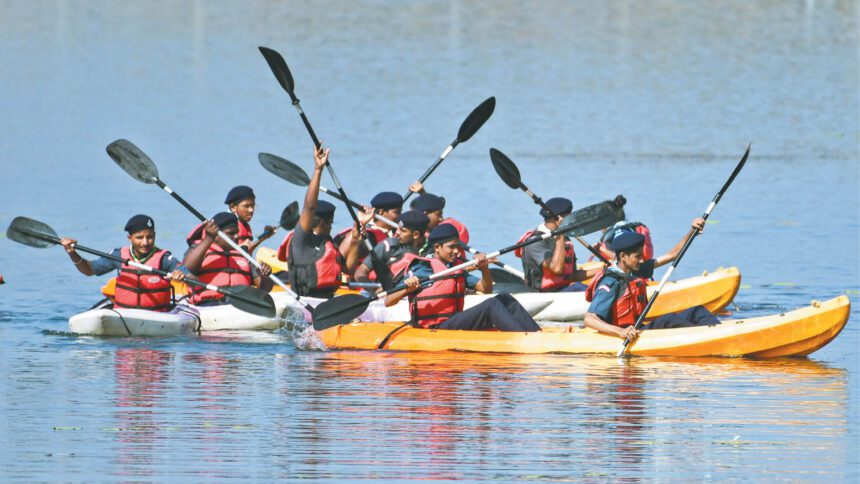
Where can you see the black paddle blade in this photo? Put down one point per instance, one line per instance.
(476, 119)
(251, 300)
(31, 232)
(134, 161)
(506, 169)
(734, 173)
(279, 68)
(290, 216)
(592, 218)
(285, 169)
(339, 310)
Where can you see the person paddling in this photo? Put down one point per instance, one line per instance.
(241, 201)
(550, 265)
(409, 240)
(384, 204)
(135, 288)
(433, 206)
(440, 305)
(214, 262)
(316, 265)
(619, 295)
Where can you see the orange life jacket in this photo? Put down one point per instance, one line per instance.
(432, 305)
(220, 268)
(632, 297)
(542, 278)
(323, 272)
(139, 289)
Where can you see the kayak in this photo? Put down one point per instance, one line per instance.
(135, 322)
(795, 333)
(270, 256)
(183, 319)
(714, 290)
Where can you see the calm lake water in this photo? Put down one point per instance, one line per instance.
(654, 100)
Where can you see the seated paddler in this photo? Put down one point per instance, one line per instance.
(214, 261)
(409, 239)
(440, 305)
(135, 288)
(619, 294)
(550, 265)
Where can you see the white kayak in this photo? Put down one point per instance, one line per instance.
(714, 290)
(135, 322)
(183, 319)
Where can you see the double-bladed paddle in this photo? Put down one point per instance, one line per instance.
(470, 126)
(510, 174)
(40, 235)
(292, 173)
(288, 221)
(285, 79)
(693, 234)
(343, 309)
(140, 167)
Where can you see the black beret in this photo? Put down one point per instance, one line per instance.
(428, 203)
(139, 222)
(558, 205)
(415, 220)
(387, 200)
(237, 194)
(225, 219)
(443, 233)
(324, 209)
(627, 241)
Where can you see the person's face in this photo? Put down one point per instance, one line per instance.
(632, 260)
(407, 236)
(232, 232)
(142, 242)
(244, 209)
(392, 214)
(447, 252)
(435, 217)
(324, 227)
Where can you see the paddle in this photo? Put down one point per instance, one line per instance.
(470, 126)
(285, 79)
(294, 174)
(40, 235)
(510, 174)
(140, 167)
(346, 308)
(694, 234)
(288, 221)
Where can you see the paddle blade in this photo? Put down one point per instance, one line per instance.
(31, 232)
(251, 300)
(501, 276)
(134, 161)
(476, 119)
(339, 310)
(285, 169)
(279, 68)
(592, 218)
(290, 216)
(507, 170)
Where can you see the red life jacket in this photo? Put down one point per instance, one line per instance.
(432, 305)
(245, 234)
(632, 297)
(139, 289)
(220, 268)
(461, 229)
(324, 272)
(374, 235)
(542, 278)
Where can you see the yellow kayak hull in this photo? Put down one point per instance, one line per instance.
(794, 333)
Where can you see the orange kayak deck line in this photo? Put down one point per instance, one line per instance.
(794, 333)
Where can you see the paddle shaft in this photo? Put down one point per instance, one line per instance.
(133, 263)
(433, 167)
(232, 244)
(694, 233)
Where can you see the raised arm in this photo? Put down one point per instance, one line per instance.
(309, 206)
